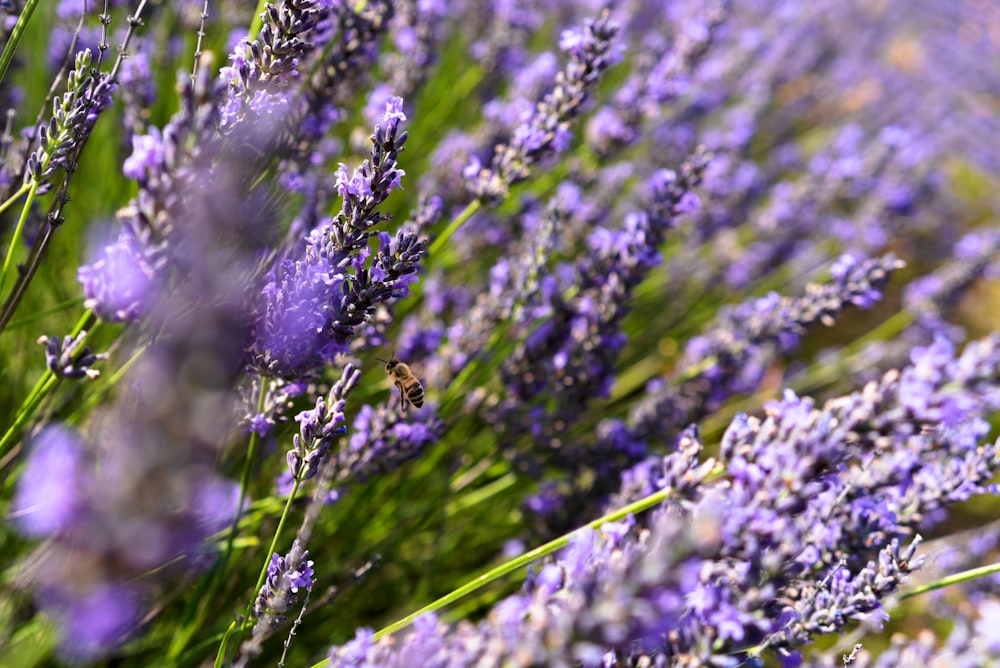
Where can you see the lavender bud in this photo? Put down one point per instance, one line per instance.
(285, 577)
(66, 359)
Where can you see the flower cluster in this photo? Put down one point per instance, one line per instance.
(285, 577)
(120, 283)
(318, 426)
(73, 119)
(312, 306)
(730, 567)
(68, 357)
(264, 69)
(545, 131)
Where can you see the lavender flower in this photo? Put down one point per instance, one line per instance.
(381, 441)
(732, 358)
(974, 257)
(546, 131)
(598, 266)
(572, 351)
(417, 28)
(120, 282)
(312, 306)
(66, 359)
(661, 76)
(285, 577)
(51, 491)
(348, 38)
(318, 427)
(278, 399)
(149, 491)
(764, 559)
(264, 69)
(92, 620)
(969, 643)
(73, 119)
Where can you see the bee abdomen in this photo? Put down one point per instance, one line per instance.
(415, 393)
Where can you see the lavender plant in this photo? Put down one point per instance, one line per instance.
(700, 295)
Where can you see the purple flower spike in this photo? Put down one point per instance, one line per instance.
(264, 69)
(312, 306)
(319, 426)
(546, 130)
(286, 575)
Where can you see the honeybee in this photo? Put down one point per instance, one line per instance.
(410, 389)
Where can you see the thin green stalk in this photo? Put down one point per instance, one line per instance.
(24, 278)
(43, 387)
(270, 550)
(481, 495)
(209, 586)
(95, 397)
(13, 198)
(518, 563)
(15, 36)
(220, 657)
(38, 394)
(235, 631)
(18, 231)
(453, 226)
(953, 579)
(258, 21)
(42, 315)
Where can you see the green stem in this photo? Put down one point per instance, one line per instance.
(17, 234)
(258, 21)
(15, 36)
(453, 227)
(238, 630)
(94, 398)
(44, 314)
(13, 198)
(517, 563)
(220, 657)
(270, 550)
(953, 579)
(43, 387)
(209, 587)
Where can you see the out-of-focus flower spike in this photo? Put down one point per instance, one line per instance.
(546, 131)
(121, 279)
(748, 336)
(658, 78)
(51, 490)
(381, 440)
